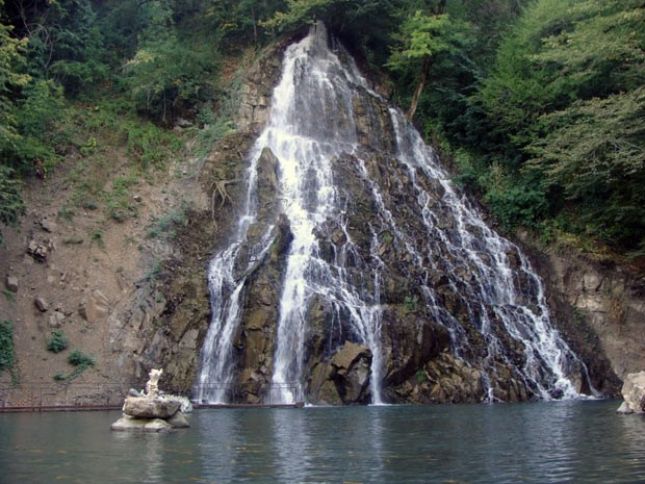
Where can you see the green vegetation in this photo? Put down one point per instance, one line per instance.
(7, 356)
(411, 303)
(565, 106)
(166, 225)
(421, 377)
(96, 237)
(80, 361)
(57, 342)
(538, 102)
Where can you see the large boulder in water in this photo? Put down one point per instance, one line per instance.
(352, 364)
(144, 407)
(345, 379)
(127, 423)
(633, 393)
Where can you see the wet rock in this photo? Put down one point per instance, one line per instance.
(633, 393)
(338, 237)
(320, 376)
(410, 340)
(144, 407)
(178, 421)
(41, 304)
(11, 283)
(352, 372)
(128, 423)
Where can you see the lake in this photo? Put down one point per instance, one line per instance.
(531, 442)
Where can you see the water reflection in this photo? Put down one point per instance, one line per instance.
(568, 441)
(294, 452)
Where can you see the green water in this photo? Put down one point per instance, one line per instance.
(538, 442)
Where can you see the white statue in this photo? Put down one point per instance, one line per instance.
(152, 387)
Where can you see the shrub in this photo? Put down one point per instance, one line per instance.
(150, 145)
(6, 345)
(11, 204)
(80, 359)
(58, 342)
(165, 226)
(168, 74)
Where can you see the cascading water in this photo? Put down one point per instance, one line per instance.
(470, 281)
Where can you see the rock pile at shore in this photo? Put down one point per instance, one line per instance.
(159, 414)
(152, 410)
(633, 393)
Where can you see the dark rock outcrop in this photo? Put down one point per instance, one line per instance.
(344, 378)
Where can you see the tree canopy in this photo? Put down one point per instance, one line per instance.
(539, 102)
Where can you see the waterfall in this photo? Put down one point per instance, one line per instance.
(419, 227)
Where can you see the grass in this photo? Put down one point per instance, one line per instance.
(165, 226)
(96, 237)
(118, 200)
(109, 135)
(214, 129)
(154, 272)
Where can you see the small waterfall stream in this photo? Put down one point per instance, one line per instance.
(447, 249)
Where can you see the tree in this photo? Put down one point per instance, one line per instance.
(421, 39)
(565, 98)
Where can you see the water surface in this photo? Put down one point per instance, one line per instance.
(536, 442)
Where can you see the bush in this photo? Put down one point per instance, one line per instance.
(80, 359)
(118, 199)
(166, 75)
(6, 345)
(11, 204)
(58, 342)
(166, 225)
(150, 145)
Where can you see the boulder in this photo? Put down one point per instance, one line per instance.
(39, 250)
(11, 283)
(127, 423)
(56, 320)
(41, 304)
(48, 225)
(184, 403)
(633, 393)
(178, 421)
(144, 407)
(352, 365)
(95, 308)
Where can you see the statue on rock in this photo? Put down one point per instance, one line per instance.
(152, 386)
(152, 411)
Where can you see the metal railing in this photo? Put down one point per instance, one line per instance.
(104, 395)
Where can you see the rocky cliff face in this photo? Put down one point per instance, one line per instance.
(177, 334)
(390, 252)
(365, 276)
(601, 310)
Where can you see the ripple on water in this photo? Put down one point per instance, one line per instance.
(537, 442)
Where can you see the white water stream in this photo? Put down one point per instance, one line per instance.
(312, 123)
